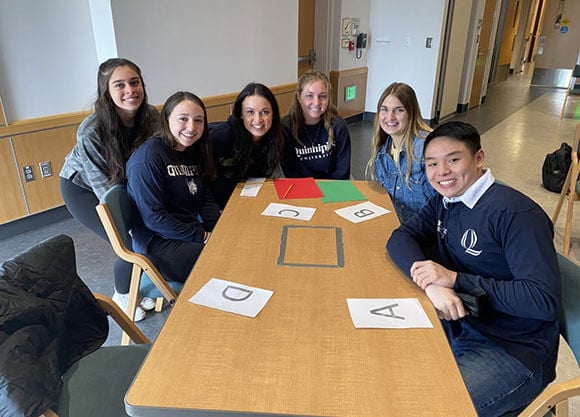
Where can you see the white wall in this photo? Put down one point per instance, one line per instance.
(457, 52)
(352, 9)
(323, 34)
(103, 29)
(50, 50)
(396, 48)
(48, 61)
(471, 51)
(208, 46)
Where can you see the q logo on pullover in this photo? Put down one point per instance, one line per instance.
(469, 241)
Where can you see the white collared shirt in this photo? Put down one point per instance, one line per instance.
(473, 193)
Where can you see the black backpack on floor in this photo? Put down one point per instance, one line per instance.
(555, 168)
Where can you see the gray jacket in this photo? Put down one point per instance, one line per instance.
(85, 165)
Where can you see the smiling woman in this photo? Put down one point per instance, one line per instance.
(397, 150)
(249, 143)
(317, 140)
(122, 120)
(168, 181)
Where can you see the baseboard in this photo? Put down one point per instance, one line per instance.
(354, 118)
(33, 222)
(369, 116)
(462, 107)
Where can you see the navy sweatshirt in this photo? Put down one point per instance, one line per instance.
(504, 246)
(167, 189)
(224, 137)
(312, 158)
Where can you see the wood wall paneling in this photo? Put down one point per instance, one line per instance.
(51, 138)
(218, 113)
(284, 101)
(12, 204)
(342, 79)
(36, 147)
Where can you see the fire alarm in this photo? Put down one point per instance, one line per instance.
(350, 45)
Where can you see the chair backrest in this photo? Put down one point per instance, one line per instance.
(117, 201)
(570, 317)
(576, 144)
(115, 212)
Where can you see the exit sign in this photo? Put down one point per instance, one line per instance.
(349, 92)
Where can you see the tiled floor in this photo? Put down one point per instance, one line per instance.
(519, 126)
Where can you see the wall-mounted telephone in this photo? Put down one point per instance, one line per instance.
(361, 43)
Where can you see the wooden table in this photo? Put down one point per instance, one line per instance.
(301, 355)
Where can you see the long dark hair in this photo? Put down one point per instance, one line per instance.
(201, 150)
(115, 140)
(270, 145)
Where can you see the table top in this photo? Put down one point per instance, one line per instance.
(301, 355)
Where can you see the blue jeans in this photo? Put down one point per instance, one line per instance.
(497, 382)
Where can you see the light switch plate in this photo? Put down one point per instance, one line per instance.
(28, 173)
(346, 26)
(45, 169)
(344, 43)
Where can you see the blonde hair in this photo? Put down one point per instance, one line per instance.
(295, 114)
(416, 126)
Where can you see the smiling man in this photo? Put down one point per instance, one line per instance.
(491, 239)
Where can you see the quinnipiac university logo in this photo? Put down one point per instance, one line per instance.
(469, 241)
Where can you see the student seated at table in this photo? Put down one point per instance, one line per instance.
(317, 140)
(397, 150)
(492, 238)
(167, 181)
(249, 143)
(123, 119)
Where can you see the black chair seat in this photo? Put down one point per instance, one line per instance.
(104, 374)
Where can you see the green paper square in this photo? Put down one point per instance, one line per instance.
(336, 191)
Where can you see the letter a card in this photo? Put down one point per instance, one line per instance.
(232, 297)
(361, 212)
(387, 313)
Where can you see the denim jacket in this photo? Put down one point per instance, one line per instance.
(407, 199)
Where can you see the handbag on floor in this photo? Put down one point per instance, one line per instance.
(555, 168)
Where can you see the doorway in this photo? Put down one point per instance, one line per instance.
(306, 27)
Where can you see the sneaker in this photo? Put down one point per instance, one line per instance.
(147, 303)
(122, 300)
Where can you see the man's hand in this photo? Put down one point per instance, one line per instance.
(448, 305)
(425, 273)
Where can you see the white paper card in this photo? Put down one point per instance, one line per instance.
(232, 297)
(252, 187)
(361, 212)
(387, 313)
(289, 212)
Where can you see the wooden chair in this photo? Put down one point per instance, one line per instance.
(571, 188)
(554, 399)
(97, 383)
(115, 214)
(573, 89)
